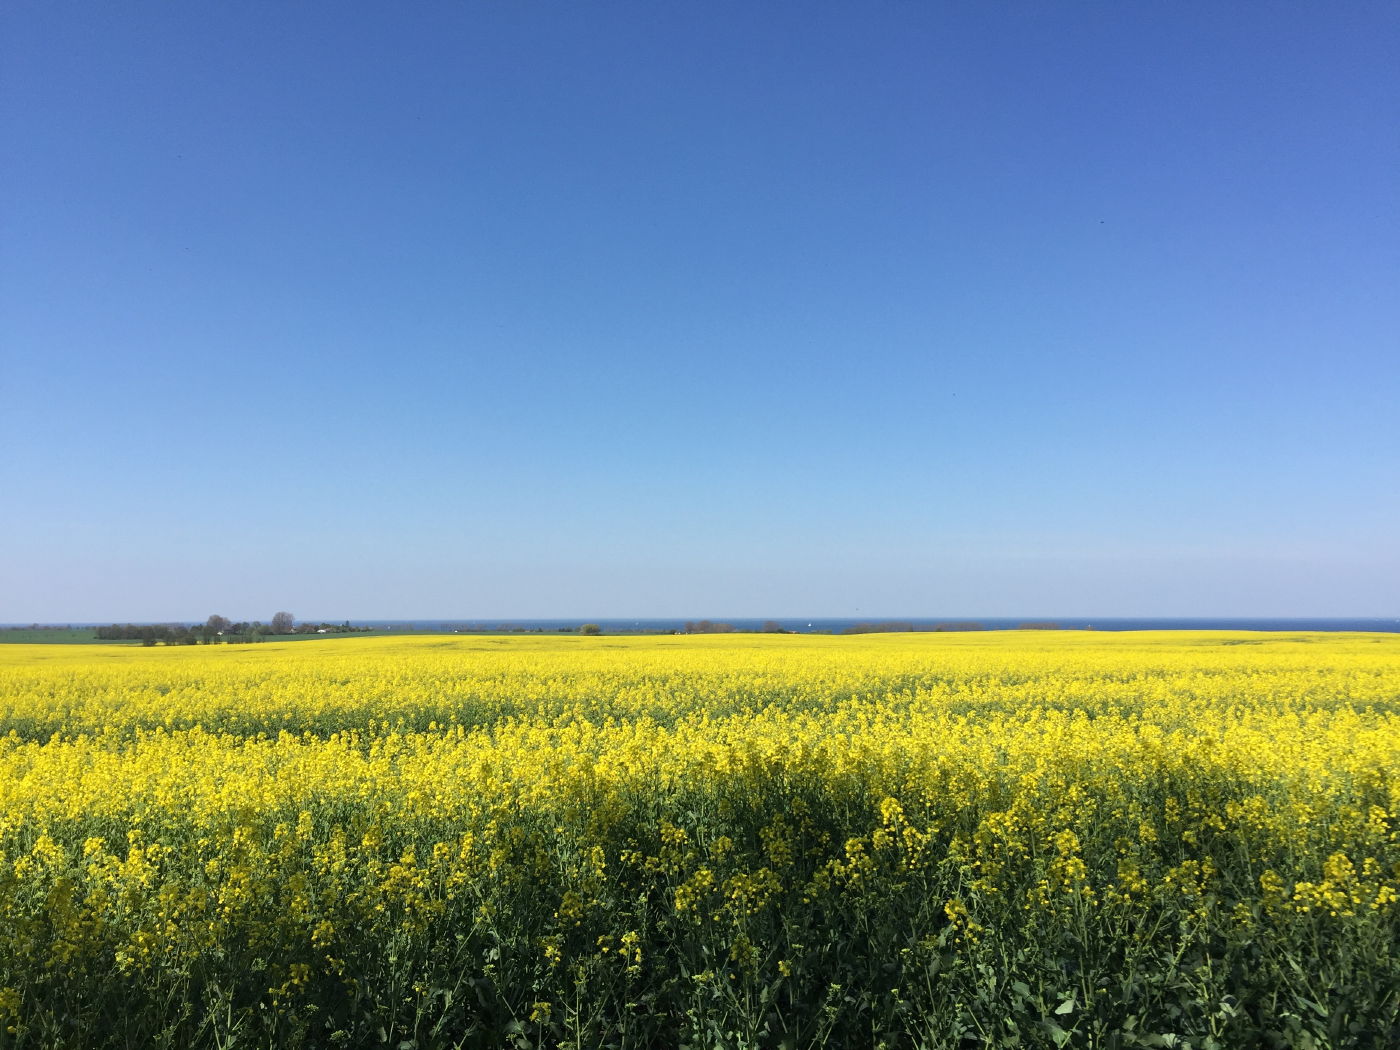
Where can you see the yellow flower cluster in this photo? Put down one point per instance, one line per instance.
(288, 809)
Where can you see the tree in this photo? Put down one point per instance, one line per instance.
(590, 628)
(283, 622)
(218, 624)
(708, 627)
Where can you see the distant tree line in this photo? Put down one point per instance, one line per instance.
(218, 629)
(326, 628)
(151, 633)
(720, 627)
(708, 627)
(895, 626)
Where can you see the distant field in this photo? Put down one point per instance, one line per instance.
(924, 841)
(48, 635)
(88, 636)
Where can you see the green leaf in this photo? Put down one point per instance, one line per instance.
(1066, 1007)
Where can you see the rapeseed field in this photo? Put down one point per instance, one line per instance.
(1021, 839)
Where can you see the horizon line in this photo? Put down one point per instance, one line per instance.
(920, 617)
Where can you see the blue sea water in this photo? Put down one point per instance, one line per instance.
(804, 625)
(839, 625)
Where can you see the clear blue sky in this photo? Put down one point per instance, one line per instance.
(699, 309)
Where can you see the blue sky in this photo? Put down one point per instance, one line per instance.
(637, 309)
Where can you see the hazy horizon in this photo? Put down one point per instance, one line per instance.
(786, 620)
(617, 307)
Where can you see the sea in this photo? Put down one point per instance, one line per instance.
(843, 624)
(840, 625)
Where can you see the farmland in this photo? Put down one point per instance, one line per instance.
(1034, 839)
